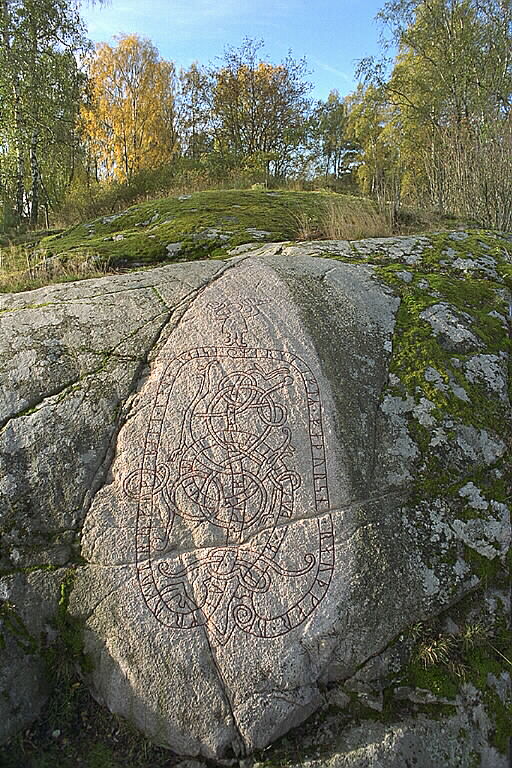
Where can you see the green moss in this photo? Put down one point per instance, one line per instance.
(441, 662)
(492, 573)
(69, 628)
(392, 709)
(145, 230)
(206, 224)
(416, 348)
(489, 660)
(101, 756)
(436, 679)
(69, 647)
(160, 298)
(28, 569)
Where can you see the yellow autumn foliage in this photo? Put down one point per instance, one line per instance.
(128, 121)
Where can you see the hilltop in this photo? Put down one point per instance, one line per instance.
(208, 224)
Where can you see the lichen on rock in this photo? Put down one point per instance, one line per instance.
(274, 476)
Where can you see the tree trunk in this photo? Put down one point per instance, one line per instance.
(36, 180)
(18, 121)
(20, 163)
(18, 151)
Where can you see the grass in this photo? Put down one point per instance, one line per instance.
(345, 219)
(442, 661)
(22, 268)
(201, 225)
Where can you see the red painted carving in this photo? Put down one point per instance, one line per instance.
(219, 540)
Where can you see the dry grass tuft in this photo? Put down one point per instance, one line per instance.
(436, 650)
(306, 228)
(342, 219)
(23, 270)
(355, 221)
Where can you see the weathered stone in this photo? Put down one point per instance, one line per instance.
(338, 698)
(27, 631)
(406, 249)
(490, 370)
(233, 453)
(421, 741)
(255, 568)
(452, 328)
(484, 264)
(173, 248)
(112, 218)
(259, 234)
(406, 276)
(70, 356)
(211, 234)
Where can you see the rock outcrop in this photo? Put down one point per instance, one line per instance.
(262, 487)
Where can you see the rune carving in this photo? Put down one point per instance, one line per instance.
(233, 527)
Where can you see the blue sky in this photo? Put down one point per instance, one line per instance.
(331, 34)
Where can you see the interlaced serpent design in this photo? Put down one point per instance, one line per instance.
(234, 475)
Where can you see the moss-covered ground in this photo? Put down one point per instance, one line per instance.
(201, 225)
(472, 273)
(206, 223)
(196, 226)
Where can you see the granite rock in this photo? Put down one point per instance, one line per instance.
(225, 465)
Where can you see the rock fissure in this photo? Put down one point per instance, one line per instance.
(75, 382)
(186, 302)
(104, 598)
(283, 525)
(106, 461)
(267, 467)
(35, 405)
(160, 297)
(242, 746)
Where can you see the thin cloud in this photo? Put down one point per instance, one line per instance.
(168, 20)
(184, 16)
(331, 70)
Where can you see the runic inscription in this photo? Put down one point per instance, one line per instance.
(233, 458)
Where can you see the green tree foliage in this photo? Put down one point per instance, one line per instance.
(194, 115)
(40, 82)
(431, 127)
(329, 123)
(372, 127)
(259, 111)
(449, 103)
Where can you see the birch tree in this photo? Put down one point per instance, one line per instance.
(129, 118)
